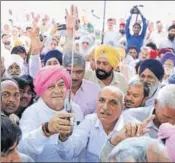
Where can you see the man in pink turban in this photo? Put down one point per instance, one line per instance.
(41, 123)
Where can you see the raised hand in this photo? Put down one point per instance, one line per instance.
(132, 130)
(36, 44)
(71, 19)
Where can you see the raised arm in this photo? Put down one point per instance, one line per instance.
(144, 26)
(127, 30)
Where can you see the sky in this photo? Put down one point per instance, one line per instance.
(153, 10)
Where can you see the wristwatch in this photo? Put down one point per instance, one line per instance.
(46, 124)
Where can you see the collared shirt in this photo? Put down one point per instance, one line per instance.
(34, 143)
(141, 114)
(86, 96)
(89, 135)
(118, 80)
(156, 36)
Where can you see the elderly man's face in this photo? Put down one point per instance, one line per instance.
(164, 114)
(55, 95)
(109, 106)
(77, 75)
(14, 70)
(149, 78)
(52, 62)
(10, 97)
(135, 96)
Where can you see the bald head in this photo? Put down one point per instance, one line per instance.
(114, 90)
(10, 96)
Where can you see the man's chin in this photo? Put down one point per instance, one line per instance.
(10, 111)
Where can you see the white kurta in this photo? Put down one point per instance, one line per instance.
(89, 135)
(33, 142)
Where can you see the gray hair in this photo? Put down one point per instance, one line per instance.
(78, 60)
(114, 89)
(135, 148)
(166, 96)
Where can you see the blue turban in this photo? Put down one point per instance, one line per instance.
(154, 66)
(171, 79)
(53, 54)
(167, 56)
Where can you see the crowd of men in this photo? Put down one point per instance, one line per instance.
(67, 98)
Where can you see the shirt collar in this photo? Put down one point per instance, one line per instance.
(114, 79)
(118, 126)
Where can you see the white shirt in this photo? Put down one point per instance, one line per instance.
(112, 37)
(33, 142)
(166, 43)
(89, 135)
(141, 114)
(156, 37)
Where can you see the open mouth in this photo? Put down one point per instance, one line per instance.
(128, 103)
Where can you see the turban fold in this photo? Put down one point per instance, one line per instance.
(167, 56)
(154, 66)
(111, 53)
(48, 75)
(53, 54)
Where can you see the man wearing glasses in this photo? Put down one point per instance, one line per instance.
(42, 122)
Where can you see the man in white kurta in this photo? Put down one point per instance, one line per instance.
(96, 129)
(40, 122)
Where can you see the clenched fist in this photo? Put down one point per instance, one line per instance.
(60, 124)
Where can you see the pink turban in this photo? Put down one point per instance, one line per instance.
(167, 131)
(48, 75)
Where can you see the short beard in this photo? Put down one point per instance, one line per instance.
(171, 37)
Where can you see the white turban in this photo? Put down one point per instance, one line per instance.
(14, 58)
